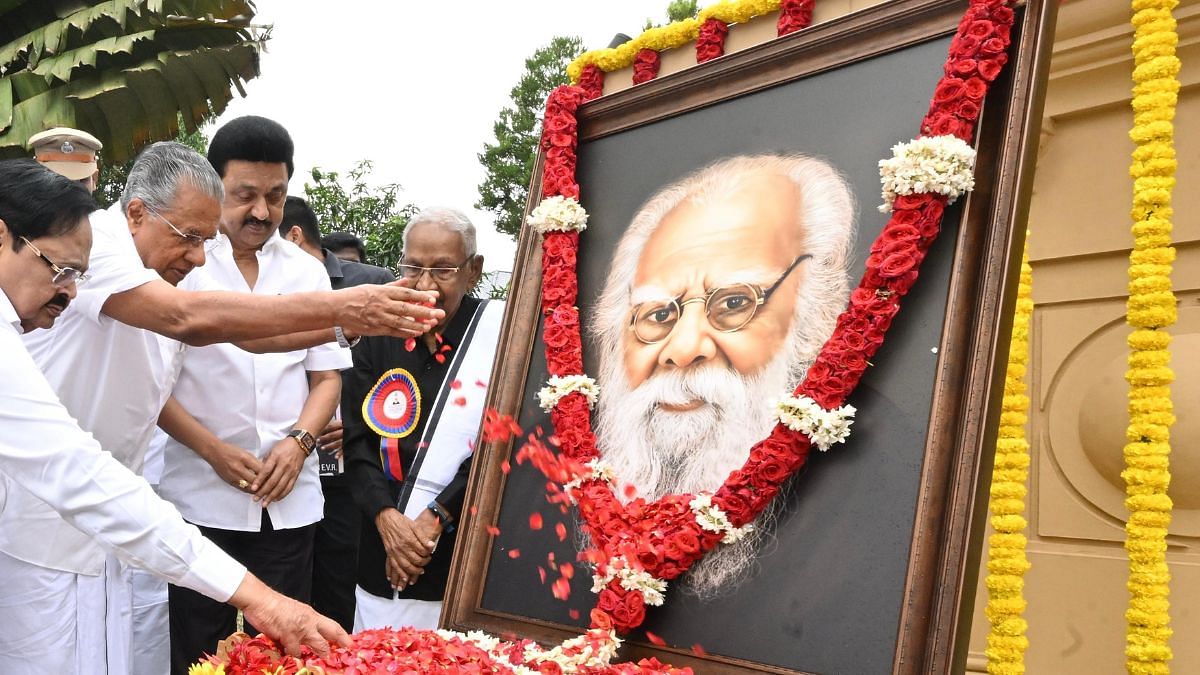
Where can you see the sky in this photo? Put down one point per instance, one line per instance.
(413, 86)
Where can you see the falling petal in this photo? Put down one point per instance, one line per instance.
(698, 650)
(561, 531)
(542, 573)
(410, 344)
(456, 384)
(535, 521)
(505, 467)
(515, 553)
(574, 614)
(481, 384)
(493, 530)
(460, 400)
(654, 639)
(561, 588)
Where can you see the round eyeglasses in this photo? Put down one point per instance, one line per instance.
(63, 276)
(728, 308)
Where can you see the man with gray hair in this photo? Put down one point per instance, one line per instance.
(113, 372)
(411, 414)
(721, 293)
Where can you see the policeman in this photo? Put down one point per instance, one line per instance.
(68, 152)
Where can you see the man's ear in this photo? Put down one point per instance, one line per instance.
(294, 235)
(5, 234)
(135, 214)
(476, 267)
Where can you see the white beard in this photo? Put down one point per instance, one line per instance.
(660, 452)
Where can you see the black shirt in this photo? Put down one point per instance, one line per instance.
(373, 489)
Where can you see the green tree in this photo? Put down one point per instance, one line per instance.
(123, 70)
(509, 160)
(114, 176)
(374, 213)
(677, 10)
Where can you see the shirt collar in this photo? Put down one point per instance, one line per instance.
(333, 265)
(8, 313)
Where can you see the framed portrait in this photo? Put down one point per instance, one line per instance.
(865, 561)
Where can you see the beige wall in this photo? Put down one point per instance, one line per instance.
(1079, 249)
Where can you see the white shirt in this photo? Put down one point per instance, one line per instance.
(248, 400)
(43, 450)
(110, 376)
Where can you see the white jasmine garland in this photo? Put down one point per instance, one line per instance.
(558, 214)
(652, 588)
(940, 164)
(823, 427)
(585, 651)
(710, 517)
(597, 470)
(558, 387)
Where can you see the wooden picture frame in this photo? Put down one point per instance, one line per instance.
(967, 298)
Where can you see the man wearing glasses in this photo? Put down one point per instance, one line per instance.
(720, 295)
(106, 360)
(411, 410)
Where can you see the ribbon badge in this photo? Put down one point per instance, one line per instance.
(392, 409)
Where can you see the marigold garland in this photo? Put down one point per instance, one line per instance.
(797, 15)
(1007, 563)
(1149, 311)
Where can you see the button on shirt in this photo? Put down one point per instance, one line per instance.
(112, 379)
(251, 401)
(44, 451)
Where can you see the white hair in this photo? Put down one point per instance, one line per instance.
(161, 168)
(660, 452)
(452, 219)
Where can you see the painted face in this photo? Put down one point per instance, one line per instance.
(748, 237)
(28, 279)
(434, 246)
(172, 242)
(254, 197)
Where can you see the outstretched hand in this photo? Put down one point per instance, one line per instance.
(291, 623)
(392, 309)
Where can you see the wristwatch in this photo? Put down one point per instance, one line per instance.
(443, 515)
(341, 338)
(307, 441)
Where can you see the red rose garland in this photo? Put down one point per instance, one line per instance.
(711, 42)
(645, 65)
(794, 15)
(641, 544)
(591, 81)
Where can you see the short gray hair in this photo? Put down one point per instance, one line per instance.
(161, 168)
(451, 218)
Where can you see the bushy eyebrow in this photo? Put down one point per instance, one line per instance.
(750, 275)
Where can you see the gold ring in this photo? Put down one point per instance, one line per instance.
(243, 483)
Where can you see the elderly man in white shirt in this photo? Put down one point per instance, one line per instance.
(44, 250)
(113, 377)
(264, 410)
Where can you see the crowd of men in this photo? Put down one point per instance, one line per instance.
(209, 407)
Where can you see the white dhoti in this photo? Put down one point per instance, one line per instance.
(372, 611)
(61, 622)
(151, 625)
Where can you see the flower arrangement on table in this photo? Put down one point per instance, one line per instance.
(424, 651)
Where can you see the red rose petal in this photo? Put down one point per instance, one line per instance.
(456, 384)
(441, 358)
(561, 588)
(460, 401)
(514, 553)
(535, 521)
(542, 573)
(493, 530)
(561, 531)
(505, 467)
(574, 614)
(698, 650)
(410, 344)
(654, 639)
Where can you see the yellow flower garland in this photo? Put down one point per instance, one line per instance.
(1150, 309)
(1007, 563)
(671, 36)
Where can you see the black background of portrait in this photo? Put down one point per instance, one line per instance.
(827, 591)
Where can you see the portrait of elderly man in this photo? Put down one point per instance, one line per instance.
(721, 293)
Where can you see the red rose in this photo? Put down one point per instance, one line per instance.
(962, 67)
(1004, 15)
(818, 371)
(776, 470)
(992, 47)
(853, 342)
(556, 336)
(645, 66)
(855, 361)
(571, 190)
(964, 46)
(944, 125)
(968, 110)
(902, 283)
(557, 155)
(905, 217)
(600, 619)
(914, 201)
(631, 612)
(894, 233)
(608, 601)
(591, 82)
(562, 140)
(975, 88)
(561, 124)
(950, 89)
(980, 29)
(897, 264)
(989, 69)
(566, 361)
